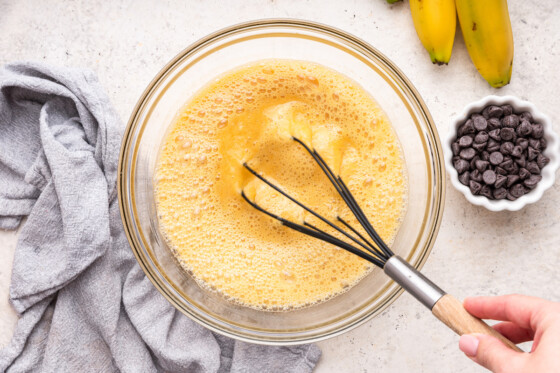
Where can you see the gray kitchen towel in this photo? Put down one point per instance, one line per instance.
(84, 302)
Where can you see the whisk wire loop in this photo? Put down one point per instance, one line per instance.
(317, 233)
(377, 253)
(323, 219)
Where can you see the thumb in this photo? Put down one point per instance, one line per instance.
(489, 352)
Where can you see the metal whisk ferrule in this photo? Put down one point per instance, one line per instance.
(414, 282)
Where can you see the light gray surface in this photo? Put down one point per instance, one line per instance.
(477, 252)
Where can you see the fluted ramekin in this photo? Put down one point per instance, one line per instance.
(548, 172)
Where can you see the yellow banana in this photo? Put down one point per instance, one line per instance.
(435, 23)
(487, 32)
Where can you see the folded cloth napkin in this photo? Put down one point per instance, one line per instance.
(84, 302)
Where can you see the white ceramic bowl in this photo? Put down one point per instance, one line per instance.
(551, 151)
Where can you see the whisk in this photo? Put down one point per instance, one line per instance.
(373, 249)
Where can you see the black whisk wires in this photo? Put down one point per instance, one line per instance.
(376, 252)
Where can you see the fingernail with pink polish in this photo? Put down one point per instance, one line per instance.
(468, 344)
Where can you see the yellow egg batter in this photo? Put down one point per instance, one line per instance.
(249, 115)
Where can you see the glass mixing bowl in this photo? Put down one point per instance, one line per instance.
(203, 61)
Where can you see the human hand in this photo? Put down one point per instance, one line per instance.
(524, 319)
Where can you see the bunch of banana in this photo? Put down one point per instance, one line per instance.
(486, 29)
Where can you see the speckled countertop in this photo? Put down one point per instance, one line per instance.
(477, 251)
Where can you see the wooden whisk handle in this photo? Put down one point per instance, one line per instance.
(451, 312)
(444, 306)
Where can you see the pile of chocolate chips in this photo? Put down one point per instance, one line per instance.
(498, 153)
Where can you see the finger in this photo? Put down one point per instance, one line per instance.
(490, 352)
(514, 332)
(520, 309)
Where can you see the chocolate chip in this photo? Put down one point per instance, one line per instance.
(521, 161)
(495, 134)
(510, 196)
(524, 129)
(496, 158)
(455, 148)
(489, 177)
(467, 153)
(517, 190)
(524, 174)
(500, 171)
(514, 169)
(508, 166)
(476, 176)
(507, 109)
(485, 112)
(472, 163)
(479, 122)
(479, 147)
(500, 181)
(475, 187)
(542, 142)
(484, 155)
(542, 160)
(461, 166)
(524, 143)
(495, 112)
(494, 123)
(486, 191)
(481, 165)
(537, 130)
(535, 144)
(500, 193)
(481, 137)
(533, 168)
(465, 141)
(465, 177)
(532, 181)
(492, 146)
(517, 151)
(526, 116)
(507, 133)
(506, 148)
(511, 179)
(532, 153)
(511, 121)
(466, 128)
